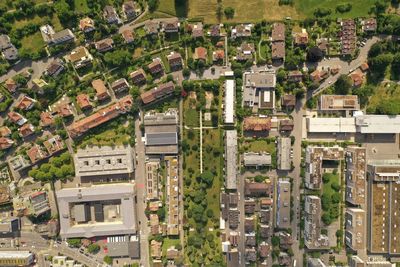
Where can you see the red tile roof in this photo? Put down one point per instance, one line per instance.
(46, 119)
(83, 101)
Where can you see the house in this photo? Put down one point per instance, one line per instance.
(54, 68)
(259, 90)
(80, 57)
(120, 85)
(83, 101)
(155, 248)
(63, 36)
(138, 77)
(357, 78)
(218, 55)
(16, 118)
(64, 110)
(156, 68)
(26, 130)
(5, 143)
(5, 41)
(214, 30)
(5, 131)
(286, 125)
(369, 25)
(104, 45)
(289, 101)
(47, 32)
(264, 249)
(278, 50)
(151, 27)
(10, 53)
(128, 36)
(278, 32)
(25, 103)
(319, 75)
(323, 45)
(245, 52)
(86, 25)
(241, 30)
(348, 37)
(36, 153)
(101, 89)
(54, 144)
(197, 30)
(301, 38)
(80, 127)
(175, 61)
(254, 189)
(257, 125)
(163, 90)
(250, 254)
(200, 53)
(364, 67)
(154, 224)
(11, 85)
(170, 26)
(259, 159)
(2, 97)
(46, 119)
(295, 76)
(130, 10)
(110, 15)
(38, 85)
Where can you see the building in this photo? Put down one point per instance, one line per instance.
(170, 25)
(331, 125)
(278, 41)
(200, 53)
(284, 161)
(18, 163)
(338, 103)
(104, 115)
(196, 29)
(53, 144)
(161, 132)
(241, 30)
(261, 159)
(10, 53)
(218, 55)
(26, 130)
(229, 102)
(245, 52)
(259, 89)
(80, 57)
(254, 189)
(348, 37)
(355, 175)
(104, 45)
(318, 75)
(10, 227)
(130, 10)
(151, 27)
(175, 61)
(153, 178)
(111, 15)
(383, 205)
(315, 157)
(120, 85)
(83, 101)
(36, 153)
(16, 118)
(86, 25)
(25, 103)
(156, 67)
(46, 119)
(16, 258)
(5, 41)
(105, 163)
(286, 125)
(98, 210)
(31, 203)
(231, 159)
(54, 68)
(355, 235)
(301, 38)
(256, 126)
(63, 261)
(313, 239)
(369, 25)
(63, 36)
(123, 246)
(157, 93)
(295, 76)
(172, 201)
(377, 124)
(138, 77)
(11, 85)
(283, 204)
(314, 262)
(128, 36)
(5, 143)
(5, 131)
(289, 101)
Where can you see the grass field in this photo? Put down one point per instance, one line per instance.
(384, 93)
(33, 43)
(81, 6)
(256, 10)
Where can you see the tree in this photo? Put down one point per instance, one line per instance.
(152, 4)
(107, 259)
(229, 12)
(326, 218)
(186, 72)
(275, 241)
(314, 54)
(93, 248)
(343, 85)
(118, 58)
(207, 178)
(74, 242)
(379, 64)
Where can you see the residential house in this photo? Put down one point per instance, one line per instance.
(289, 101)
(38, 85)
(357, 78)
(120, 85)
(54, 144)
(348, 37)
(104, 45)
(214, 30)
(264, 249)
(259, 90)
(54, 68)
(130, 10)
(36, 153)
(245, 52)
(155, 249)
(254, 189)
(10, 53)
(154, 224)
(286, 125)
(364, 67)
(2, 98)
(64, 110)
(26, 130)
(16, 118)
(170, 26)
(5, 41)
(256, 126)
(46, 119)
(128, 36)
(31, 203)
(259, 159)
(278, 50)
(63, 36)
(11, 85)
(163, 90)
(241, 30)
(218, 55)
(5, 131)
(250, 254)
(278, 41)
(110, 15)
(156, 68)
(151, 27)
(301, 38)
(86, 25)
(83, 101)
(175, 61)
(101, 89)
(196, 29)
(319, 75)
(25, 103)
(138, 77)
(323, 45)
(80, 57)
(369, 25)
(47, 32)
(295, 76)
(313, 238)
(200, 53)
(5, 143)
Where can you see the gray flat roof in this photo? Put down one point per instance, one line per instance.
(257, 159)
(231, 159)
(284, 161)
(70, 196)
(155, 139)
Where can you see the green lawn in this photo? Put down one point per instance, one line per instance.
(33, 43)
(191, 115)
(81, 6)
(260, 146)
(383, 93)
(169, 242)
(169, 7)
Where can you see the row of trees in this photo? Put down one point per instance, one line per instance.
(58, 168)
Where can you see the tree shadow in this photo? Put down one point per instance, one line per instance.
(181, 8)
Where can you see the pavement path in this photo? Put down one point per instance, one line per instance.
(201, 141)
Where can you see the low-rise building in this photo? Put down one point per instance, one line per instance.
(289, 101)
(101, 89)
(46, 119)
(130, 10)
(283, 204)
(10, 227)
(26, 130)
(16, 118)
(231, 159)
(355, 224)
(83, 101)
(172, 189)
(123, 246)
(104, 45)
(256, 126)
(16, 258)
(54, 144)
(25, 103)
(259, 89)
(196, 29)
(260, 159)
(153, 178)
(54, 68)
(284, 161)
(111, 15)
(338, 103)
(369, 25)
(157, 93)
(254, 189)
(355, 175)
(5, 143)
(36, 153)
(229, 102)
(241, 30)
(301, 38)
(200, 53)
(245, 52)
(128, 36)
(31, 203)
(156, 67)
(80, 57)
(86, 25)
(138, 77)
(170, 25)
(175, 61)
(313, 239)
(120, 85)
(286, 125)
